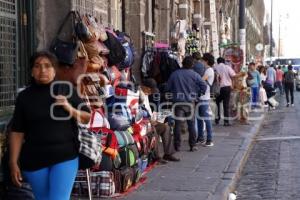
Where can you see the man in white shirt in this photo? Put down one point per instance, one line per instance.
(203, 105)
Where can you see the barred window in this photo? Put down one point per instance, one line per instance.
(8, 55)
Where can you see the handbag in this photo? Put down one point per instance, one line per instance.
(90, 150)
(102, 184)
(96, 64)
(65, 51)
(96, 48)
(82, 30)
(97, 30)
(72, 74)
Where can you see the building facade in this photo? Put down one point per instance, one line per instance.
(30, 25)
(255, 15)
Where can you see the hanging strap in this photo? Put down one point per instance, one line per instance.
(75, 15)
(70, 14)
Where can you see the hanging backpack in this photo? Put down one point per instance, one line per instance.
(117, 52)
(129, 155)
(120, 117)
(124, 138)
(215, 86)
(129, 50)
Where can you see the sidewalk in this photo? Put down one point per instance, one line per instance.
(210, 173)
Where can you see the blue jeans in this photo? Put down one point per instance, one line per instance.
(203, 116)
(54, 182)
(255, 96)
(279, 86)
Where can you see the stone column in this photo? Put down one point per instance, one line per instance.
(197, 15)
(184, 9)
(135, 25)
(163, 17)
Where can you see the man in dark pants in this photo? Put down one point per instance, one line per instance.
(150, 96)
(185, 85)
(289, 79)
(226, 73)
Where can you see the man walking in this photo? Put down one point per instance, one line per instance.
(289, 78)
(185, 85)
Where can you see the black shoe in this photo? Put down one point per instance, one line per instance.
(177, 148)
(192, 149)
(217, 121)
(171, 158)
(200, 141)
(227, 124)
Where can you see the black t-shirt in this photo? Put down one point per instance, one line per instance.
(48, 138)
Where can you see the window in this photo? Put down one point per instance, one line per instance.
(8, 55)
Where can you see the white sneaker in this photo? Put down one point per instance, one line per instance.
(293, 105)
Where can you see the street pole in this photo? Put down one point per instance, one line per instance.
(242, 28)
(271, 33)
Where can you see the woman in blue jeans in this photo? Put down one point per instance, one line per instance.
(203, 105)
(43, 141)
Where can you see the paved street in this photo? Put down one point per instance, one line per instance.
(206, 174)
(272, 169)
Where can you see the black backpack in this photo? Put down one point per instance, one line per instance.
(117, 52)
(215, 86)
(289, 77)
(127, 44)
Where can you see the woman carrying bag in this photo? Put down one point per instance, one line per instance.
(44, 139)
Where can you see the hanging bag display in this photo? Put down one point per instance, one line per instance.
(66, 51)
(117, 53)
(102, 184)
(129, 155)
(124, 138)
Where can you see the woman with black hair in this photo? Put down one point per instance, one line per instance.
(44, 135)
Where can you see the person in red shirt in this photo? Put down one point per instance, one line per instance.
(279, 78)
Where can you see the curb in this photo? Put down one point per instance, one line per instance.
(234, 170)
